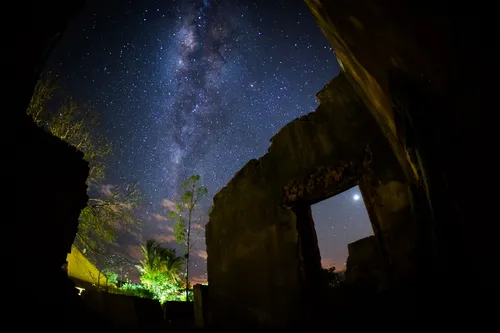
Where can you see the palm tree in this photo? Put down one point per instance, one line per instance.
(159, 259)
(171, 264)
(151, 257)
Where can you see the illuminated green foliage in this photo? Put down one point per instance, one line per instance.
(160, 271)
(74, 125)
(162, 287)
(136, 289)
(182, 215)
(111, 276)
(112, 209)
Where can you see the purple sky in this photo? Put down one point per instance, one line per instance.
(198, 87)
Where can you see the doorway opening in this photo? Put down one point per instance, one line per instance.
(339, 221)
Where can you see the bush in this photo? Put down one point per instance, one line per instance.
(111, 276)
(135, 289)
(162, 287)
(331, 277)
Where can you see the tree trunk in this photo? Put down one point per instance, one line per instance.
(187, 254)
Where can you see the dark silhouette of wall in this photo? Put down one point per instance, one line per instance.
(50, 182)
(264, 263)
(404, 122)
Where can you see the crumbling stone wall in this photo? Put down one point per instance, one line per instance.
(365, 263)
(263, 260)
(406, 60)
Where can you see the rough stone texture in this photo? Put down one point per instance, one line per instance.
(406, 60)
(404, 122)
(201, 311)
(389, 200)
(125, 313)
(365, 263)
(412, 63)
(261, 234)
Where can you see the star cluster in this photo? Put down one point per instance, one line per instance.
(192, 87)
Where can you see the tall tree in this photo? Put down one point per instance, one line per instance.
(183, 215)
(109, 207)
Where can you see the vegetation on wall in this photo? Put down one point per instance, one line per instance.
(183, 217)
(109, 206)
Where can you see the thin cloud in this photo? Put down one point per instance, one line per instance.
(197, 226)
(134, 251)
(165, 238)
(127, 206)
(202, 254)
(327, 262)
(160, 217)
(330, 262)
(107, 189)
(199, 279)
(162, 228)
(170, 205)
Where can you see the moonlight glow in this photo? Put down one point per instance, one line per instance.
(342, 219)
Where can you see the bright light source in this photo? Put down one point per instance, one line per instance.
(356, 197)
(80, 290)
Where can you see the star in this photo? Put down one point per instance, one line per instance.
(196, 87)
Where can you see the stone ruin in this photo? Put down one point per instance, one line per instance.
(261, 233)
(402, 121)
(396, 122)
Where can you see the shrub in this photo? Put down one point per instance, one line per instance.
(136, 289)
(162, 287)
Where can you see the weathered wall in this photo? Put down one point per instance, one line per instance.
(201, 311)
(50, 178)
(390, 201)
(125, 313)
(79, 267)
(365, 263)
(410, 62)
(260, 268)
(50, 191)
(404, 61)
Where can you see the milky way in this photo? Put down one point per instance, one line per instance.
(196, 87)
(201, 60)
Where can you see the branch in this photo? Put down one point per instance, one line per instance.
(87, 244)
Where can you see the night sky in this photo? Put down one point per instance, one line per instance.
(199, 87)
